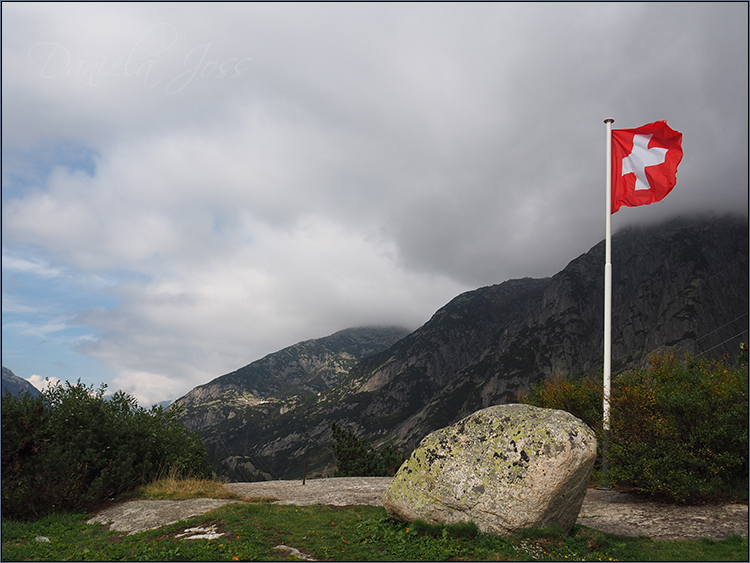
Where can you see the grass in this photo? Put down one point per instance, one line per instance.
(174, 488)
(253, 530)
(353, 533)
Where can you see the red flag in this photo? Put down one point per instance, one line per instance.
(644, 164)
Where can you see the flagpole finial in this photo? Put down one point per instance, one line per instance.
(609, 120)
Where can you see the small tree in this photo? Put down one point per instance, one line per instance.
(357, 458)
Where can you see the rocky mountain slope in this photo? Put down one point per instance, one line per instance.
(306, 368)
(679, 285)
(15, 385)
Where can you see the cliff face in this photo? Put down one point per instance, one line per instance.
(694, 283)
(683, 284)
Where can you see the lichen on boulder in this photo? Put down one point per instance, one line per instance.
(505, 468)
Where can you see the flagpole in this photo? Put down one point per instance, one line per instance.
(607, 310)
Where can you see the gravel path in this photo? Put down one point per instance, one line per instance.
(608, 511)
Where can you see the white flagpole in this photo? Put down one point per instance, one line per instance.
(607, 308)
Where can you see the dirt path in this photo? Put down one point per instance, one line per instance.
(608, 511)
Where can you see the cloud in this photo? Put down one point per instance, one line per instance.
(144, 386)
(217, 315)
(43, 383)
(205, 184)
(36, 330)
(29, 266)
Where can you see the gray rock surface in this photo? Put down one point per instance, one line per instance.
(337, 491)
(629, 515)
(142, 515)
(505, 468)
(608, 511)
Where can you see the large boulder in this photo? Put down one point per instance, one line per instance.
(505, 468)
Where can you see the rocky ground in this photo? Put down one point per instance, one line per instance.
(629, 515)
(608, 511)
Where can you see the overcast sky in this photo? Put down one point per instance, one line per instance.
(189, 187)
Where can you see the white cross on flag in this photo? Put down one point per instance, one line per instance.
(644, 164)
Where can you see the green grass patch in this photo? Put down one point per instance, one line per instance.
(353, 533)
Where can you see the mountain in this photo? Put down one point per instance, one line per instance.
(306, 368)
(15, 385)
(680, 285)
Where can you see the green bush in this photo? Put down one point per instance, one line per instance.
(69, 449)
(679, 426)
(580, 397)
(357, 458)
(680, 429)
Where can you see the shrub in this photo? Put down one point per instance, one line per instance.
(680, 429)
(679, 426)
(357, 458)
(580, 397)
(69, 449)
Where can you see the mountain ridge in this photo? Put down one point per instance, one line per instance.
(310, 366)
(15, 385)
(682, 284)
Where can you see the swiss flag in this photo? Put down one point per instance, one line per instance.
(644, 164)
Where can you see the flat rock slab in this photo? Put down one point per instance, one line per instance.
(338, 491)
(629, 515)
(141, 515)
(608, 511)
